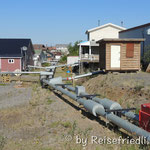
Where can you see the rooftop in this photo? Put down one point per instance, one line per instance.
(137, 27)
(121, 40)
(12, 47)
(105, 25)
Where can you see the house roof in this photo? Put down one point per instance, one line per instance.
(105, 25)
(38, 46)
(84, 43)
(88, 43)
(137, 27)
(57, 53)
(120, 40)
(12, 47)
(51, 48)
(61, 45)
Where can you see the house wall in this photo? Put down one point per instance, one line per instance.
(72, 59)
(106, 32)
(126, 64)
(137, 33)
(30, 54)
(57, 57)
(0, 64)
(5, 66)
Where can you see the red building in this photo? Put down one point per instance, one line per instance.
(15, 54)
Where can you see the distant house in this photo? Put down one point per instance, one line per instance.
(89, 50)
(38, 56)
(43, 56)
(50, 56)
(51, 48)
(15, 54)
(142, 31)
(38, 46)
(57, 55)
(63, 48)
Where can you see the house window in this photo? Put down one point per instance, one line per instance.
(130, 50)
(11, 61)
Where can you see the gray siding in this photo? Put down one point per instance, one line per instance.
(137, 33)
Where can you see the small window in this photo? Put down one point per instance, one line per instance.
(10, 61)
(130, 50)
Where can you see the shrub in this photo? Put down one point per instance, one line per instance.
(63, 59)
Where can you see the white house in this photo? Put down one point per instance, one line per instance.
(88, 50)
(63, 48)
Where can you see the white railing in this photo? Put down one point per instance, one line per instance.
(89, 57)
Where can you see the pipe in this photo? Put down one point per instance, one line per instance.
(66, 92)
(21, 72)
(84, 75)
(97, 109)
(109, 104)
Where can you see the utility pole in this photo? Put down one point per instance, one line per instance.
(122, 23)
(98, 22)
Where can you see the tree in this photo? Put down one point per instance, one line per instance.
(74, 49)
(146, 57)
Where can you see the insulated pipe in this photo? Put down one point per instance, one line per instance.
(22, 72)
(124, 124)
(69, 94)
(109, 104)
(96, 108)
(92, 106)
(84, 75)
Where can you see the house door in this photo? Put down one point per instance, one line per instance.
(115, 56)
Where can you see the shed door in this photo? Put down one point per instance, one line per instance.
(115, 56)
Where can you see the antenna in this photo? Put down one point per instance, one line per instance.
(122, 23)
(98, 22)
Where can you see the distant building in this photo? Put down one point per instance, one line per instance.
(142, 31)
(57, 55)
(38, 46)
(15, 54)
(63, 48)
(72, 59)
(51, 48)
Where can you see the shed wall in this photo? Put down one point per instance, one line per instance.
(125, 63)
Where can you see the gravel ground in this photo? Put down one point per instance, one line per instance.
(11, 95)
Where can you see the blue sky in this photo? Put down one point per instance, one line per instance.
(64, 21)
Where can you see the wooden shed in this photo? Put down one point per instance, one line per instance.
(120, 54)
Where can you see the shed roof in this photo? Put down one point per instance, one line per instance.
(120, 40)
(12, 47)
(105, 25)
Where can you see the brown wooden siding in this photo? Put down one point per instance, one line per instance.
(130, 63)
(125, 63)
(102, 62)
